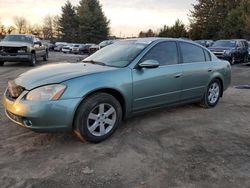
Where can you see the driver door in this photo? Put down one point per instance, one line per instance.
(153, 87)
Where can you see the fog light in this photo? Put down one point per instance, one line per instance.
(27, 122)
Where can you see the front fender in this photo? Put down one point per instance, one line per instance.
(118, 79)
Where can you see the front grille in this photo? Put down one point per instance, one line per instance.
(14, 117)
(14, 91)
(12, 50)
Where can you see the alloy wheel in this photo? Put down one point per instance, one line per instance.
(213, 93)
(101, 119)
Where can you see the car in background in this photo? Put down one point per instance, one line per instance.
(76, 48)
(205, 43)
(22, 48)
(94, 48)
(59, 45)
(67, 48)
(49, 44)
(234, 51)
(121, 80)
(85, 48)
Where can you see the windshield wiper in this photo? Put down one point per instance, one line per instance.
(94, 62)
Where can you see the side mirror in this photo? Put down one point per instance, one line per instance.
(149, 64)
(38, 43)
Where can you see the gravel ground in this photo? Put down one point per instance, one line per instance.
(184, 146)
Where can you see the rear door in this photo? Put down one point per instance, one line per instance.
(153, 87)
(197, 68)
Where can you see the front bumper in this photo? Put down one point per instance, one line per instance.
(13, 57)
(42, 116)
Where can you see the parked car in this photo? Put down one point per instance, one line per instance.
(59, 45)
(205, 43)
(85, 48)
(76, 48)
(231, 50)
(68, 48)
(22, 48)
(94, 48)
(118, 81)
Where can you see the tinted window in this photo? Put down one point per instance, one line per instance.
(225, 43)
(165, 53)
(207, 55)
(191, 53)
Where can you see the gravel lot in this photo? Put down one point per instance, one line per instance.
(185, 146)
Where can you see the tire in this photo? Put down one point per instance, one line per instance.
(33, 60)
(232, 61)
(97, 117)
(210, 99)
(245, 59)
(45, 57)
(1, 63)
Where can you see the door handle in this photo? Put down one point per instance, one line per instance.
(209, 70)
(178, 75)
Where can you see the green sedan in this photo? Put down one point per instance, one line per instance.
(129, 77)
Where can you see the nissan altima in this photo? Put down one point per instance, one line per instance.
(128, 77)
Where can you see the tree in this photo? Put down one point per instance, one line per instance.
(93, 24)
(47, 28)
(148, 33)
(21, 24)
(56, 27)
(176, 31)
(208, 18)
(68, 24)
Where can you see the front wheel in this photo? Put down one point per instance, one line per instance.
(33, 59)
(1, 63)
(97, 117)
(212, 95)
(232, 60)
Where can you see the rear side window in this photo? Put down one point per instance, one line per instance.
(191, 53)
(207, 55)
(165, 53)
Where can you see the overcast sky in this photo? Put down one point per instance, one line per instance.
(127, 17)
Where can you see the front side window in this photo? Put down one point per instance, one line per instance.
(165, 53)
(191, 53)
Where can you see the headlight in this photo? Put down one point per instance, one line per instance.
(46, 93)
(227, 52)
(22, 50)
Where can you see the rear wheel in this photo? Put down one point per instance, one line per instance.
(97, 117)
(245, 59)
(212, 95)
(45, 57)
(33, 59)
(1, 63)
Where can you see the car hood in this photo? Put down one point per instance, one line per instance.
(57, 73)
(220, 48)
(14, 44)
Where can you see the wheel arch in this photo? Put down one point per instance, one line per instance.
(114, 92)
(221, 83)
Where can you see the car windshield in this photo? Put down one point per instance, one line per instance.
(76, 45)
(119, 54)
(18, 38)
(225, 43)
